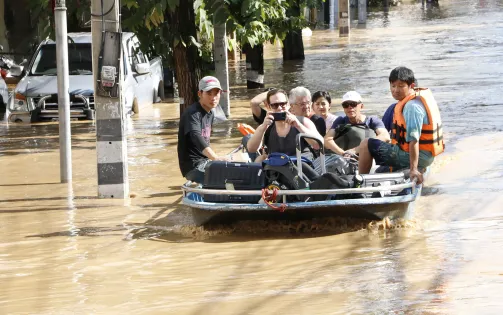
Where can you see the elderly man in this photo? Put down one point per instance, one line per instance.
(300, 100)
(194, 151)
(349, 131)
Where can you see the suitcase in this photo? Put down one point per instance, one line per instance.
(233, 176)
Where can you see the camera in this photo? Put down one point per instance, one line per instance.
(279, 116)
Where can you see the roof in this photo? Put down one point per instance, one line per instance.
(85, 37)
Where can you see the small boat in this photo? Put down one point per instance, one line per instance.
(252, 188)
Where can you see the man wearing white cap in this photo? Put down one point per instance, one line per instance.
(348, 131)
(194, 151)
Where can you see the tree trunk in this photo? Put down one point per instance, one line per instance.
(293, 46)
(221, 65)
(188, 64)
(3, 30)
(18, 22)
(254, 66)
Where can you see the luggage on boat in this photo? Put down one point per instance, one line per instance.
(233, 176)
(334, 181)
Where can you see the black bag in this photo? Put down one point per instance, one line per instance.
(332, 181)
(233, 176)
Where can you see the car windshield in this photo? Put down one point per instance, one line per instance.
(79, 58)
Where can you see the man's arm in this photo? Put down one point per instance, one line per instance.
(414, 161)
(330, 143)
(255, 141)
(210, 154)
(309, 128)
(201, 144)
(255, 103)
(414, 114)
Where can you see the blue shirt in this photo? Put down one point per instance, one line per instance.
(373, 122)
(387, 119)
(415, 117)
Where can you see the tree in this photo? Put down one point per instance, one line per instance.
(169, 28)
(255, 23)
(293, 45)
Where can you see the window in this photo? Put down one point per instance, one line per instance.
(80, 60)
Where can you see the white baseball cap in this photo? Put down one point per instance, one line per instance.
(352, 96)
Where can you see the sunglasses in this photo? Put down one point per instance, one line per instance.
(352, 104)
(277, 105)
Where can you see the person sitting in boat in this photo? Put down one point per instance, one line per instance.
(416, 136)
(280, 128)
(300, 100)
(387, 118)
(321, 106)
(194, 151)
(347, 132)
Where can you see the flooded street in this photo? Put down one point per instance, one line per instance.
(64, 251)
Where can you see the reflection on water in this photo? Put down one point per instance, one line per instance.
(62, 250)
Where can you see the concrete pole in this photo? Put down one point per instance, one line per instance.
(65, 135)
(344, 18)
(110, 116)
(336, 13)
(362, 11)
(222, 66)
(331, 13)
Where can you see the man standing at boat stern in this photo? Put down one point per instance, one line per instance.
(194, 151)
(416, 133)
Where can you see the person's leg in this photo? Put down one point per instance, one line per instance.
(387, 154)
(244, 141)
(197, 174)
(365, 158)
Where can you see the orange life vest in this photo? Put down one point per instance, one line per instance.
(245, 129)
(431, 138)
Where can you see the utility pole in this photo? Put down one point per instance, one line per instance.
(221, 66)
(344, 18)
(65, 132)
(111, 145)
(331, 14)
(362, 11)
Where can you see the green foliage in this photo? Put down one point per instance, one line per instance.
(78, 13)
(254, 21)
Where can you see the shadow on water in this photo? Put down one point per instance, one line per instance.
(83, 231)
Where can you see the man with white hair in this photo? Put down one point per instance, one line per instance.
(300, 100)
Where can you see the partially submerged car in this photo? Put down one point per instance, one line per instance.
(35, 97)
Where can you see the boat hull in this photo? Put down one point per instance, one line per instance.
(393, 207)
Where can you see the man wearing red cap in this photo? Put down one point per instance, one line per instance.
(194, 151)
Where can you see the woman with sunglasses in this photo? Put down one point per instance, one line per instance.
(347, 132)
(280, 128)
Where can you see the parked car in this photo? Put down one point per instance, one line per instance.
(4, 92)
(35, 96)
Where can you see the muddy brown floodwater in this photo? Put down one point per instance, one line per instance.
(64, 251)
